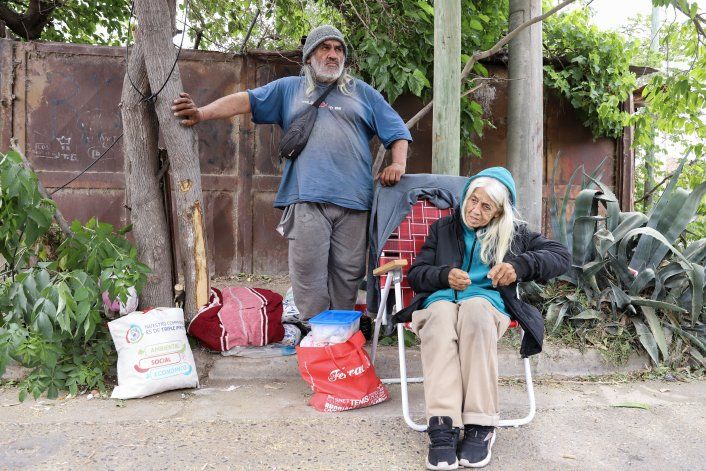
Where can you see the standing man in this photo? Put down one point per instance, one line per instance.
(327, 192)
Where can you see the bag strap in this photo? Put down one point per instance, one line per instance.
(356, 347)
(321, 99)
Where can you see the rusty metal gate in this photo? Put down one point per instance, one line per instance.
(61, 104)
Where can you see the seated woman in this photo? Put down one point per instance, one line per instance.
(466, 276)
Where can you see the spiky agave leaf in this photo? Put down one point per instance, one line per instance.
(657, 330)
(696, 251)
(646, 339)
(644, 250)
(674, 224)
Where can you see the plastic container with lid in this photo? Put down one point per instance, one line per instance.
(334, 326)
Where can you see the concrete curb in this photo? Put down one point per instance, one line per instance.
(554, 362)
(14, 372)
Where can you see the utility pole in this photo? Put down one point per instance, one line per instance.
(650, 154)
(525, 111)
(446, 128)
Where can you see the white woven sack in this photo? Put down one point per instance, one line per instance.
(153, 353)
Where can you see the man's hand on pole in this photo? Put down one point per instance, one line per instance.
(185, 107)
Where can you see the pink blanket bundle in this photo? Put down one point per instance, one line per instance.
(238, 317)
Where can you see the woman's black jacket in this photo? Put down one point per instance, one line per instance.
(534, 257)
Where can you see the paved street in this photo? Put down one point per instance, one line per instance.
(266, 424)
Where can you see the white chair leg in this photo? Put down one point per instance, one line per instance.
(382, 313)
(403, 383)
(530, 396)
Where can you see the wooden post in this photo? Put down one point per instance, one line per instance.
(446, 128)
(525, 111)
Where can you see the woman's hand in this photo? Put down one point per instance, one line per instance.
(458, 279)
(502, 274)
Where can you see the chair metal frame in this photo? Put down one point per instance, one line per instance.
(393, 270)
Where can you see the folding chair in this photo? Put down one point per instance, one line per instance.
(397, 255)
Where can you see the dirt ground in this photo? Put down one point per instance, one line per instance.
(277, 283)
(267, 425)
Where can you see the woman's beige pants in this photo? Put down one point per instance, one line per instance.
(460, 359)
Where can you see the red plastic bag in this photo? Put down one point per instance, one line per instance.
(341, 376)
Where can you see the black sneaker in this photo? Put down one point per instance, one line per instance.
(444, 439)
(474, 451)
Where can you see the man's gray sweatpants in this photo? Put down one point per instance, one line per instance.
(327, 246)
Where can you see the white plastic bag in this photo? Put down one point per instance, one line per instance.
(116, 307)
(153, 353)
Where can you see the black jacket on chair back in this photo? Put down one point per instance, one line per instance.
(534, 257)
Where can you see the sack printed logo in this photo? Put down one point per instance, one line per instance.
(337, 374)
(335, 404)
(167, 347)
(145, 364)
(170, 370)
(134, 334)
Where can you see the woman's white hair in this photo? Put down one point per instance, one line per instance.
(345, 81)
(496, 237)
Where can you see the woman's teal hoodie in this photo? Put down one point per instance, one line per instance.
(481, 285)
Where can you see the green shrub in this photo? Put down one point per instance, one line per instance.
(51, 313)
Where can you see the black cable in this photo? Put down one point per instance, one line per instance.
(87, 168)
(152, 97)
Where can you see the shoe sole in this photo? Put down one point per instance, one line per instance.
(480, 464)
(443, 466)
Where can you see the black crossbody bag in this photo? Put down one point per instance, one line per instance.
(296, 137)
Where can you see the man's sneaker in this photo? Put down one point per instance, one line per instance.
(444, 439)
(474, 451)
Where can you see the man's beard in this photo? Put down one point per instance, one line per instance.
(323, 73)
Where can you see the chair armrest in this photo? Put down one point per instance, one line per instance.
(389, 266)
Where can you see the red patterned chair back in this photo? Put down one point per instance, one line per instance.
(406, 241)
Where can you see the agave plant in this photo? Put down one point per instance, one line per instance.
(631, 271)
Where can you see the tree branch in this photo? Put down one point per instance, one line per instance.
(467, 69)
(29, 25)
(697, 19)
(658, 185)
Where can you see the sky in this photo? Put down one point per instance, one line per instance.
(612, 14)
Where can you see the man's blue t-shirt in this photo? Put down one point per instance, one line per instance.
(335, 166)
